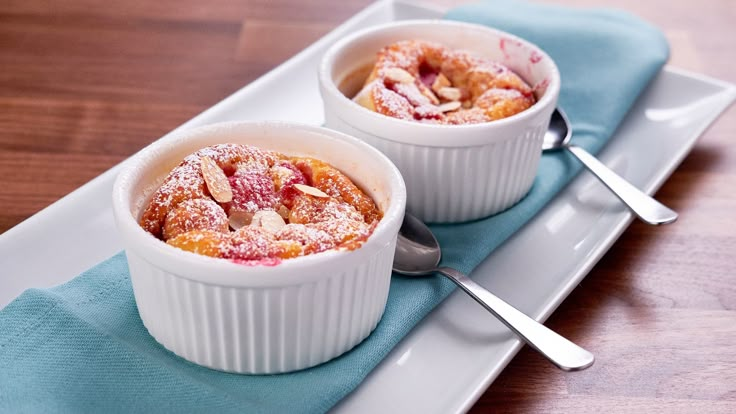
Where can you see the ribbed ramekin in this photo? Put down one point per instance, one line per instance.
(260, 319)
(453, 173)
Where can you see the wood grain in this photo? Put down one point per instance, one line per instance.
(84, 84)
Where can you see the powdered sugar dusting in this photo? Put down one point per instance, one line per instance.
(468, 74)
(197, 214)
(183, 213)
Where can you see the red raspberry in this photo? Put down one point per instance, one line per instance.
(252, 191)
(285, 175)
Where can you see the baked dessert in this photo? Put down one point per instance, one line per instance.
(427, 82)
(255, 206)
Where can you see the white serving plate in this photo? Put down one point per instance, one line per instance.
(452, 356)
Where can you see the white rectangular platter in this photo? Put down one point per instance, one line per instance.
(452, 356)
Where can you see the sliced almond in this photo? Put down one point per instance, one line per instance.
(239, 218)
(427, 92)
(398, 75)
(449, 106)
(365, 96)
(216, 181)
(310, 190)
(283, 211)
(268, 220)
(440, 82)
(449, 94)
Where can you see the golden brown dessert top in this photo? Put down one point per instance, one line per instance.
(256, 206)
(428, 82)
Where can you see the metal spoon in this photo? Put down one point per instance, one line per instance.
(418, 254)
(645, 207)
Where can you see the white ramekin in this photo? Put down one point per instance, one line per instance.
(453, 173)
(260, 319)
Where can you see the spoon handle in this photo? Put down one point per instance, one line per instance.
(647, 208)
(560, 351)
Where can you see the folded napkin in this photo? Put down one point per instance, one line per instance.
(81, 347)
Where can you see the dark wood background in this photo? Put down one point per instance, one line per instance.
(86, 83)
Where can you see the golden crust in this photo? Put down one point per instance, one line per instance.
(196, 214)
(186, 182)
(328, 179)
(470, 78)
(335, 213)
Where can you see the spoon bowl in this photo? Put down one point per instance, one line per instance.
(644, 206)
(418, 254)
(558, 133)
(416, 249)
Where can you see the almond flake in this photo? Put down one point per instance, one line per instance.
(365, 96)
(428, 93)
(450, 94)
(310, 190)
(240, 218)
(398, 75)
(449, 106)
(283, 211)
(440, 82)
(216, 181)
(268, 220)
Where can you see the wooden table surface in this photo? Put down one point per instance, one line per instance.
(84, 84)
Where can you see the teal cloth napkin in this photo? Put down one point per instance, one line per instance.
(81, 347)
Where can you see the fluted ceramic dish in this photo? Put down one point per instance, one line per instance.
(260, 319)
(453, 173)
